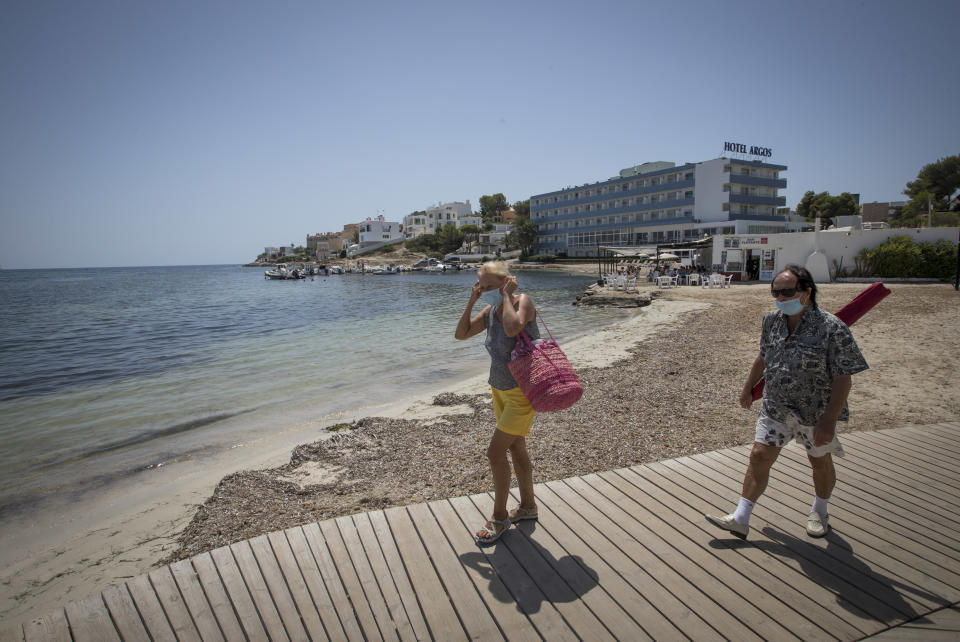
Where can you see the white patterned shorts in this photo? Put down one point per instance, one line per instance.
(774, 433)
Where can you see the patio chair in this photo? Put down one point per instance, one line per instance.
(631, 285)
(693, 279)
(726, 281)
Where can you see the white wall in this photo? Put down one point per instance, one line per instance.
(838, 244)
(708, 193)
(379, 231)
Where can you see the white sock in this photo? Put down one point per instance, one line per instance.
(819, 505)
(743, 512)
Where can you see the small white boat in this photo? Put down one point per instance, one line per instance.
(436, 267)
(281, 273)
(336, 269)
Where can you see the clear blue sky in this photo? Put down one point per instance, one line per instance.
(164, 133)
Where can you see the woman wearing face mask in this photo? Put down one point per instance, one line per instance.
(503, 321)
(807, 357)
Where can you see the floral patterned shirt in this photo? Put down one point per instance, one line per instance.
(799, 368)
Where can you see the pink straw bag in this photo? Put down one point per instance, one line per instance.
(543, 373)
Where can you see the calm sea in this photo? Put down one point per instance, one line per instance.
(104, 372)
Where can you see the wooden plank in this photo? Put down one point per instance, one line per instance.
(623, 580)
(439, 612)
(583, 622)
(172, 602)
(257, 587)
(278, 588)
(12, 632)
(755, 585)
(582, 581)
(875, 534)
(195, 600)
(349, 617)
(942, 435)
(391, 556)
(474, 615)
(318, 589)
(883, 549)
(243, 604)
(220, 604)
(522, 590)
(52, 626)
(366, 614)
(670, 582)
(766, 557)
(894, 482)
(89, 620)
(764, 619)
(151, 612)
(933, 457)
(853, 498)
(124, 613)
(370, 544)
(893, 462)
(385, 605)
(296, 582)
(488, 583)
(832, 568)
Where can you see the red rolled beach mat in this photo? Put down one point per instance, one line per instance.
(849, 314)
(544, 374)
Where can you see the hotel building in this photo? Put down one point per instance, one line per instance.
(662, 203)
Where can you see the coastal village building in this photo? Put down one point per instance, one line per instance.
(375, 233)
(658, 203)
(435, 217)
(327, 245)
(881, 212)
(824, 253)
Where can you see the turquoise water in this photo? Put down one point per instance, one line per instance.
(104, 372)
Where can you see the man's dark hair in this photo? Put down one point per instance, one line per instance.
(804, 280)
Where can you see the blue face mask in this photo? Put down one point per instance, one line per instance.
(790, 307)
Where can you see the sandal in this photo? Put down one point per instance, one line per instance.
(520, 513)
(486, 535)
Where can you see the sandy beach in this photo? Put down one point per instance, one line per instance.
(660, 385)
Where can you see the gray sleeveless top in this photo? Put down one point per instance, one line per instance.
(499, 345)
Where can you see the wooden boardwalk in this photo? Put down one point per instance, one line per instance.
(624, 554)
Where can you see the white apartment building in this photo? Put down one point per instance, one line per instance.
(378, 230)
(658, 203)
(435, 217)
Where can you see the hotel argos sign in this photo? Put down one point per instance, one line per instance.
(753, 150)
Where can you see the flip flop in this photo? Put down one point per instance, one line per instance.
(490, 535)
(520, 513)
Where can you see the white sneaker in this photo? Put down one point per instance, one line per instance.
(817, 524)
(728, 523)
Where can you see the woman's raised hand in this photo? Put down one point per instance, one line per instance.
(509, 286)
(475, 292)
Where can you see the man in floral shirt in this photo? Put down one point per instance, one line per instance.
(807, 357)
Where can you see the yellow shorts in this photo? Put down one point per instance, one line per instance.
(513, 412)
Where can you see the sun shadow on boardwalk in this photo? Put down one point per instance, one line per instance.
(836, 568)
(522, 571)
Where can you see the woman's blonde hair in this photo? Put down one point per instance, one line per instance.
(494, 268)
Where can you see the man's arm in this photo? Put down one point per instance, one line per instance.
(756, 373)
(826, 427)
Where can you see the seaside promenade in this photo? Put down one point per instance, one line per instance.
(624, 554)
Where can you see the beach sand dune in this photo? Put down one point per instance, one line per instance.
(660, 385)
